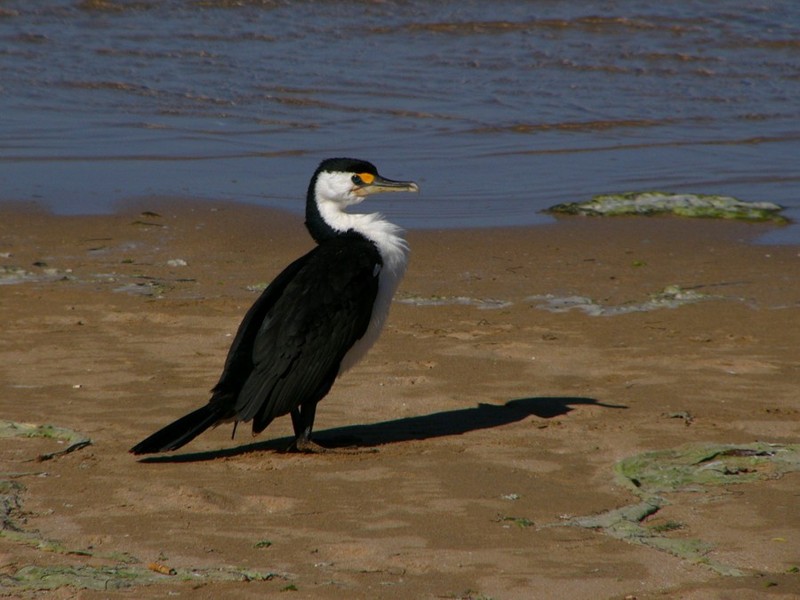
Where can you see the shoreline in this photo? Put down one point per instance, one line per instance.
(740, 228)
(517, 369)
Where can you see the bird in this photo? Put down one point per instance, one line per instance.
(316, 319)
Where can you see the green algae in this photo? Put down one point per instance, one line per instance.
(696, 466)
(86, 577)
(75, 440)
(672, 296)
(10, 274)
(706, 206)
(691, 467)
(36, 578)
(10, 505)
(521, 522)
(481, 303)
(122, 570)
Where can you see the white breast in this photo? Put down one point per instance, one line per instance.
(394, 252)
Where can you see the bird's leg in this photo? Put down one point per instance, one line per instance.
(303, 422)
(297, 423)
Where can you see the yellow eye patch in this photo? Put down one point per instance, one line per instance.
(367, 178)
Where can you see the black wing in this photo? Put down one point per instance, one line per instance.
(239, 363)
(290, 344)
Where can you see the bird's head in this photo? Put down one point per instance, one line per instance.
(347, 181)
(341, 182)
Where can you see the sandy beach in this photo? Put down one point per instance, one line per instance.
(590, 409)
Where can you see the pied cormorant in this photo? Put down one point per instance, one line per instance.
(315, 320)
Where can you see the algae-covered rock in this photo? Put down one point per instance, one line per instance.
(696, 467)
(707, 206)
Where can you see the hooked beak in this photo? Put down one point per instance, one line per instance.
(380, 184)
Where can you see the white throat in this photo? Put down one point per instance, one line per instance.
(386, 236)
(332, 199)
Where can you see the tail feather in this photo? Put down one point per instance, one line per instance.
(182, 431)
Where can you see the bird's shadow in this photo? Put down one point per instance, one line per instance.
(423, 427)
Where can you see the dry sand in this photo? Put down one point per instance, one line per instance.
(490, 426)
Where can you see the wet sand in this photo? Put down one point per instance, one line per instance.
(490, 418)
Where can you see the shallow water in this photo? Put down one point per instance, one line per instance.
(498, 109)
